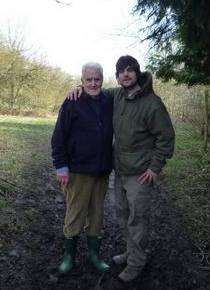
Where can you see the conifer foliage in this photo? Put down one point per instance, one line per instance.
(180, 31)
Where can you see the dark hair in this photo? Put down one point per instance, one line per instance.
(125, 61)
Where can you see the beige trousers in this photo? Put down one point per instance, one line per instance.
(84, 204)
(133, 210)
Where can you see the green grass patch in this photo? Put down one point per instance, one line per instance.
(188, 177)
(3, 203)
(25, 148)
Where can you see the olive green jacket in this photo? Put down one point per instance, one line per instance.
(144, 135)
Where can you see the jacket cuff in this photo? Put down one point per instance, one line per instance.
(157, 166)
(63, 169)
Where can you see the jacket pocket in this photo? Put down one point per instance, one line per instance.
(133, 162)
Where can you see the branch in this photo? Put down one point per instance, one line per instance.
(63, 3)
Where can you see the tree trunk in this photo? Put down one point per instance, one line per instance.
(12, 96)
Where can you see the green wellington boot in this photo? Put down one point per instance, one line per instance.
(94, 244)
(68, 261)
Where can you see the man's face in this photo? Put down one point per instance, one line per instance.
(127, 78)
(92, 81)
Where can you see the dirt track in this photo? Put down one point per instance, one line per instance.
(31, 246)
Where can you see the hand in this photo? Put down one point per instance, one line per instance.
(148, 176)
(63, 178)
(75, 93)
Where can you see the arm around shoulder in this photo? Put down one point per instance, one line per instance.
(111, 92)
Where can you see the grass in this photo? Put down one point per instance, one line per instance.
(25, 161)
(3, 203)
(24, 148)
(188, 177)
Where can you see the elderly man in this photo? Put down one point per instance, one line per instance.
(144, 139)
(82, 156)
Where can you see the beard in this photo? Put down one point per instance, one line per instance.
(130, 87)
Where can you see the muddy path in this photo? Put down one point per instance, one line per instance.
(31, 242)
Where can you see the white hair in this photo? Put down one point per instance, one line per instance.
(94, 65)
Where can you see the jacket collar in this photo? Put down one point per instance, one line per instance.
(87, 96)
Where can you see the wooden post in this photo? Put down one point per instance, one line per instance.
(207, 120)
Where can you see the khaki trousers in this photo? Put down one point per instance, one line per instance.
(133, 210)
(84, 204)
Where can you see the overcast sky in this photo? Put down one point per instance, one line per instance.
(70, 35)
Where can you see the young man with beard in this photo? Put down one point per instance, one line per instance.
(82, 156)
(144, 139)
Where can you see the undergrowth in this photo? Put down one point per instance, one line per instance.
(188, 177)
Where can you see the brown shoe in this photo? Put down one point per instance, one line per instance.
(129, 274)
